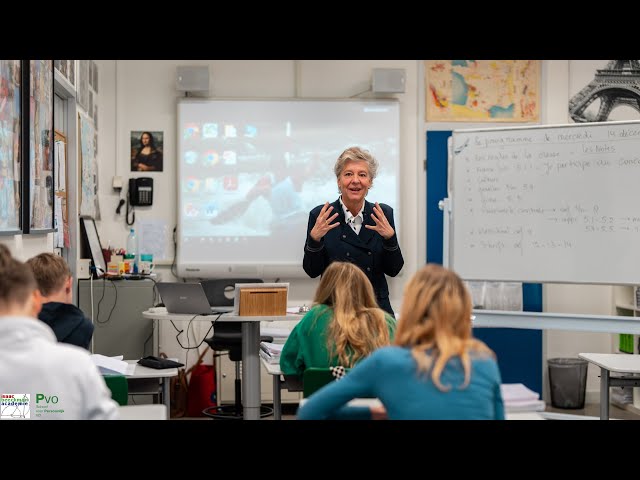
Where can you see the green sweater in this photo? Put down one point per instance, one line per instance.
(306, 346)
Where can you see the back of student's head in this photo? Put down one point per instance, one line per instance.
(51, 272)
(16, 281)
(359, 325)
(436, 315)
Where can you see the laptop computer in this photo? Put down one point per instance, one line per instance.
(187, 298)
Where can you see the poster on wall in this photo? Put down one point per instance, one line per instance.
(41, 188)
(146, 151)
(82, 95)
(89, 206)
(10, 138)
(603, 90)
(482, 90)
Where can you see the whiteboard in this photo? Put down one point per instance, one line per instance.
(555, 203)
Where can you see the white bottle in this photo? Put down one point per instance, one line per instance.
(132, 246)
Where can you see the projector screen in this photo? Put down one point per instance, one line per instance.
(251, 170)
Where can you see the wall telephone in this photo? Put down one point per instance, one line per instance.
(141, 191)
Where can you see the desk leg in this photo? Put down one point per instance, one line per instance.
(604, 394)
(277, 402)
(251, 370)
(156, 337)
(166, 398)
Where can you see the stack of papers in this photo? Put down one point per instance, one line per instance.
(518, 398)
(271, 352)
(112, 365)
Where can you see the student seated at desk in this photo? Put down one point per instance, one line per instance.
(55, 283)
(344, 325)
(434, 370)
(62, 381)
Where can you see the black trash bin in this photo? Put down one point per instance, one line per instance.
(568, 382)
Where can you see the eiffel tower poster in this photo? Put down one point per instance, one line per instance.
(604, 90)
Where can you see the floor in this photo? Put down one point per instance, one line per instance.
(593, 410)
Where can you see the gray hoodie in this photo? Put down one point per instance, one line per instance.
(60, 380)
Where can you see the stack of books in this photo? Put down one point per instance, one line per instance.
(518, 398)
(271, 352)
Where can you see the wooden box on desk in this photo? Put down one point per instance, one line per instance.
(262, 301)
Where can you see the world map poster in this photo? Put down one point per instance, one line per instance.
(482, 90)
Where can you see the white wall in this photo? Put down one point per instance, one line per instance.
(23, 247)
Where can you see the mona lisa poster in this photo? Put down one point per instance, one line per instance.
(146, 151)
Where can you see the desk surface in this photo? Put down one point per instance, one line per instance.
(146, 372)
(143, 412)
(160, 313)
(615, 362)
(271, 368)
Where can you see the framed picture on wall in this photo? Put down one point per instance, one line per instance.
(146, 151)
(10, 147)
(39, 188)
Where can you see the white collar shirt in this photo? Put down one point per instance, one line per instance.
(354, 221)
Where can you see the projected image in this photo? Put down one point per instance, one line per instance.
(146, 151)
(250, 171)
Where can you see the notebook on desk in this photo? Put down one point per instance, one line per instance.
(188, 299)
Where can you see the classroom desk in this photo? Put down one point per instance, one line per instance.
(613, 362)
(141, 372)
(374, 402)
(250, 348)
(555, 321)
(143, 412)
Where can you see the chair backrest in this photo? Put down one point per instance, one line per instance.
(216, 289)
(119, 388)
(315, 378)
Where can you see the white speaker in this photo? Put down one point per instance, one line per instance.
(192, 79)
(388, 80)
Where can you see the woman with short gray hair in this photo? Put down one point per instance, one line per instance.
(335, 232)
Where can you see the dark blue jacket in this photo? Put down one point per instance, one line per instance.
(68, 323)
(368, 250)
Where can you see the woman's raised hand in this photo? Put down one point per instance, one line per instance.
(323, 222)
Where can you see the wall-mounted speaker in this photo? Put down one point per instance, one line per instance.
(388, 80)
(192, 79)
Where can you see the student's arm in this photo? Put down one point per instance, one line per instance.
(330, 401)
(391, 324)
(291, 357)
(499, 404)
(98, 404)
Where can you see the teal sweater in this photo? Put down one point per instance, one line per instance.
(306, 346)
(390, 375)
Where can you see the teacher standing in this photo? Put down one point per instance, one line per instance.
(354, 230)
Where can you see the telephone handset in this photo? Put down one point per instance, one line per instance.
(141, 191)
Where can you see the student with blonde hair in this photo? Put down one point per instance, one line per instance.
(434, 370)
(343, 327)
(49, 380)
(58, 311)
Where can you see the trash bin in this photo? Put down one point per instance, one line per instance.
(568, 382)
